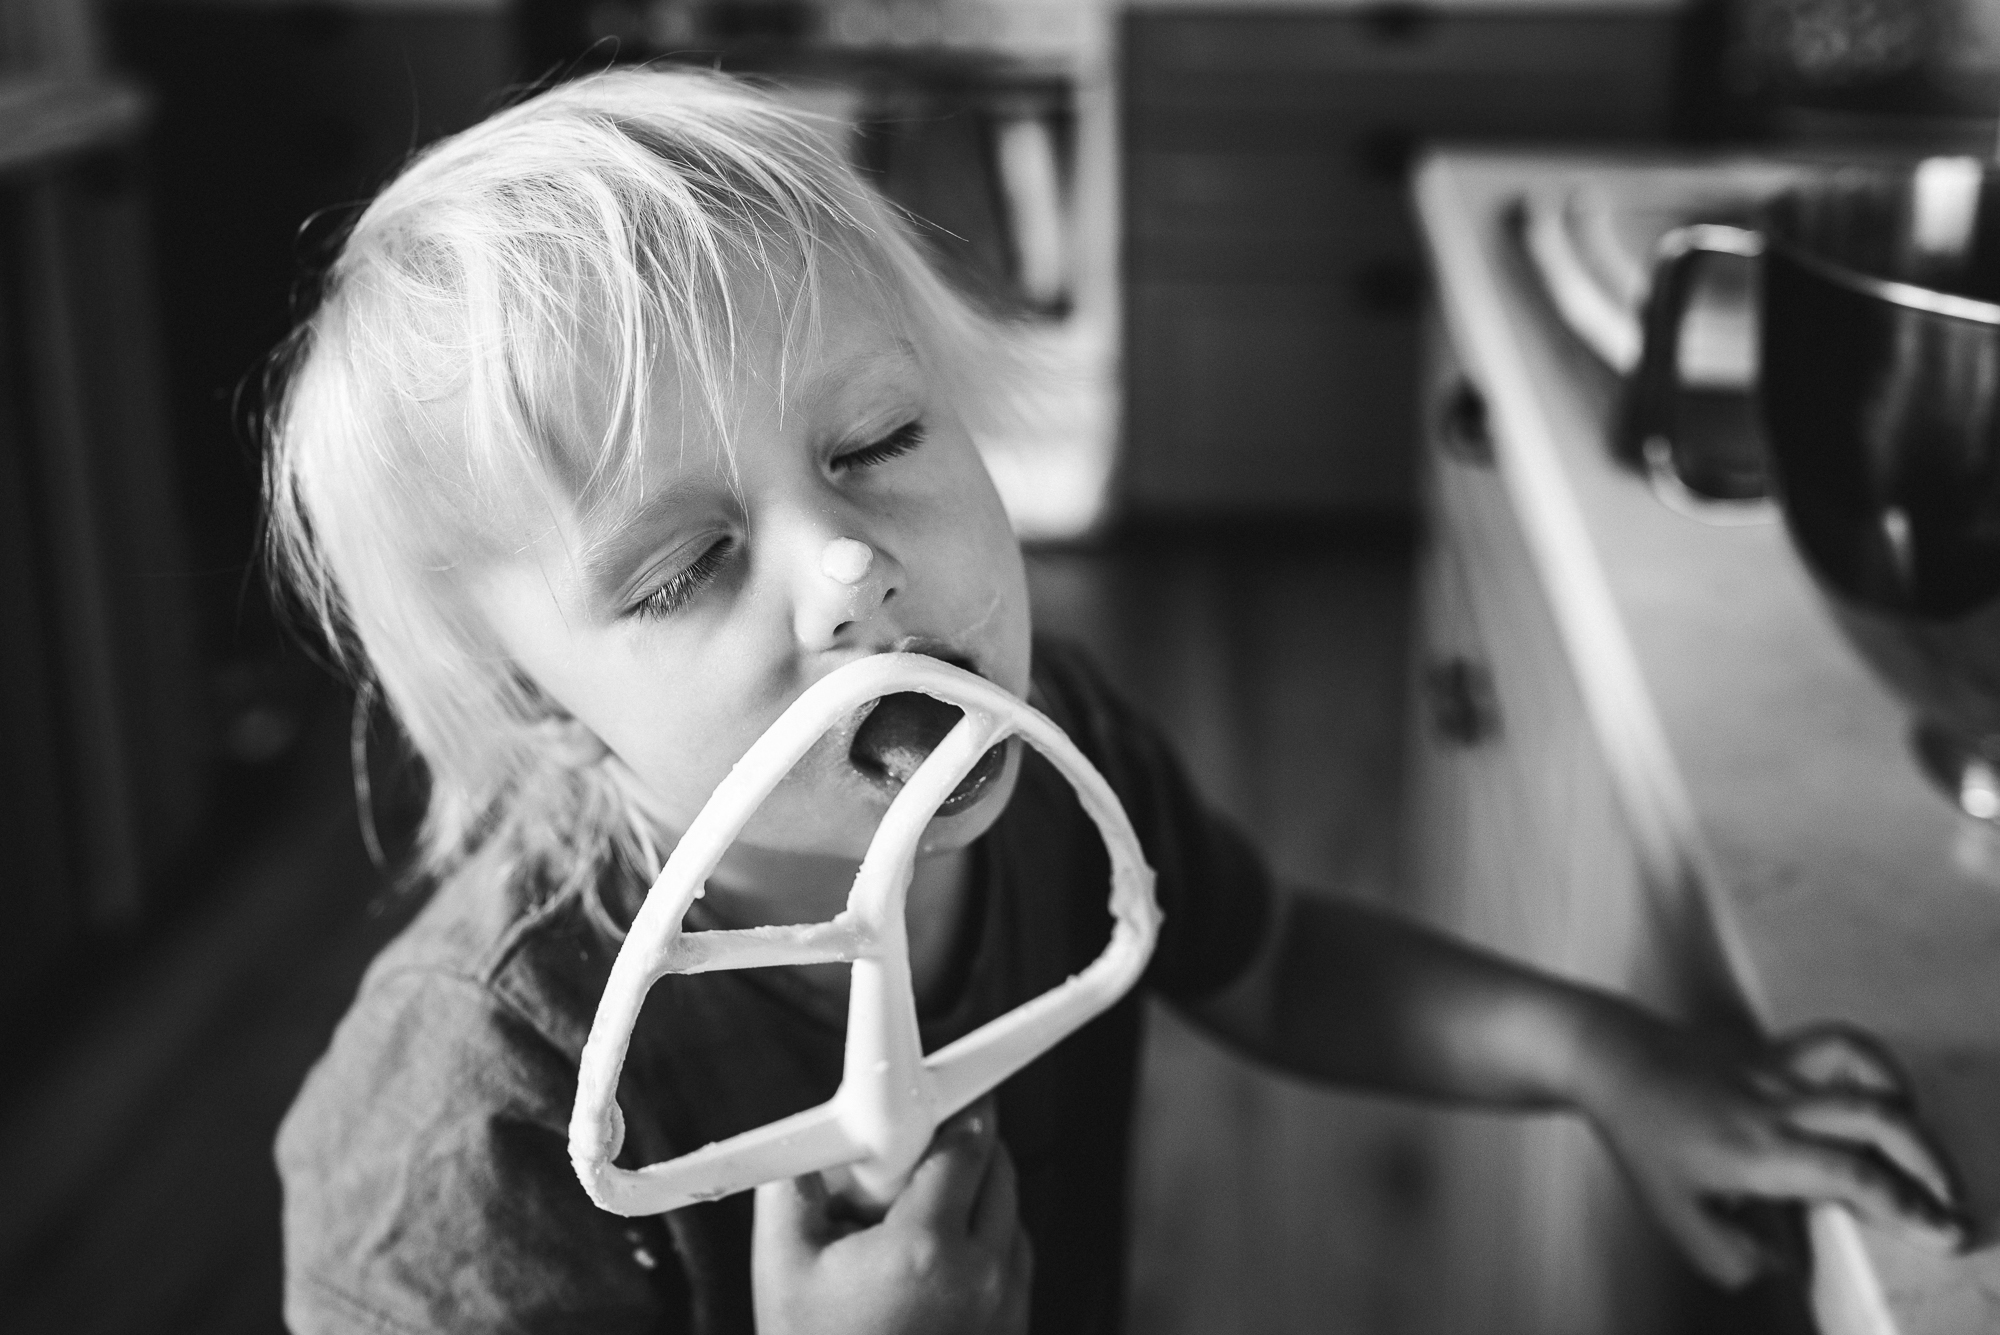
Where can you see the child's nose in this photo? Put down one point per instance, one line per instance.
(849, 583)
(846, 561)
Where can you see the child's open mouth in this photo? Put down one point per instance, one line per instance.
(899, 734)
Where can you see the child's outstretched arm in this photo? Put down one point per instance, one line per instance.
(1363, 998)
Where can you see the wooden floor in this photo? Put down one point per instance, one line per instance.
(1262, 1206)
(1275, 662)
(137, 1192)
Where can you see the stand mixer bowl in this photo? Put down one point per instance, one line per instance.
(1879, 394)
(1880, 397)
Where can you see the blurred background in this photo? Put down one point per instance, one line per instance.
(1201, 204)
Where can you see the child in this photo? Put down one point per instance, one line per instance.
(625, 416)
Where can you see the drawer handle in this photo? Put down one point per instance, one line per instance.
(1464, 710)
(1462, 429)
(1398, 21)
(1384, 154)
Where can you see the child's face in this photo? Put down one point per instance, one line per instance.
(680, 629)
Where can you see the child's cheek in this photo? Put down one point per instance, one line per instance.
(1001, 628)
(974, 541)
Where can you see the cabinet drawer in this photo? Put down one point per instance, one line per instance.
(1318, 60)
(1609, 102)
(1379, 274)
(1569, 894)
(1261, 395)
(1307, 210)
(1500, 876)
(1270, 149)
(1518, 843)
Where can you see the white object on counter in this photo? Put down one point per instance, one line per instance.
(1945, 208)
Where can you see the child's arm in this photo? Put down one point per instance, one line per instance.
(949, 1258)
(1363, 998)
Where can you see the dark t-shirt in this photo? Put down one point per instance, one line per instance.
(425, 1162)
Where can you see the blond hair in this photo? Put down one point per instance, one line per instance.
(484, 347)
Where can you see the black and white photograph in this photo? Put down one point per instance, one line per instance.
(1000, 667)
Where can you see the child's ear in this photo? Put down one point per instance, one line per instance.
(570, 743)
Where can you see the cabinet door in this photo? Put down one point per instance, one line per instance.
(1254, 210)
(1267, 396)
(1517, 844)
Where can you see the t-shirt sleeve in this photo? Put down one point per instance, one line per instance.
(428, 1187)
(1213, 886)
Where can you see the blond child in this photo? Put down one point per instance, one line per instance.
(625, 416)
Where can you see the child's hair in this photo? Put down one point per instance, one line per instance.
(483, 350)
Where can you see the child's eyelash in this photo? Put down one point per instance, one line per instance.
(679, 589)
(898, 442)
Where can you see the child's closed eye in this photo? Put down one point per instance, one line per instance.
(897, 443)
(674, 593)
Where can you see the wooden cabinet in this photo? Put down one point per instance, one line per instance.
(1517, 841)
(102, 718)
(1273, 273)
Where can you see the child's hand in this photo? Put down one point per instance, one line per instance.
(950, 1257)
(1821, 1116)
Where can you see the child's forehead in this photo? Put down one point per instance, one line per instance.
(806, 348)
(785, 367)
(794, 363)
(854, 375)
(860, 376)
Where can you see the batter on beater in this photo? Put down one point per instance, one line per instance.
(627, 416)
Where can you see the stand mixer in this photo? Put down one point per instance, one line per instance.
(1879, 393)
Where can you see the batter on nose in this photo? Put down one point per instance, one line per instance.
(846, 561)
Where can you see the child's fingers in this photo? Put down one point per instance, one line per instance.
(1720, 1250)
(791, 1217)
(1835, 1057)
(946, 1183)
(998, 1209)
(1012, 1317)
(1865, 1121)
(1863, 1182)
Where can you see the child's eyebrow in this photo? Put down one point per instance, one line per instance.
(885, 363)
(621, 536)
(623, 533)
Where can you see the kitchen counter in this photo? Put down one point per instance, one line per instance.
(1754, 758)
(1435, 6)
